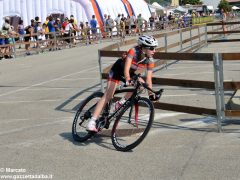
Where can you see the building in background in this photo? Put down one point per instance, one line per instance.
(234, 2)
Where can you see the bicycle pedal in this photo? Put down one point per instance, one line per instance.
(107, 125)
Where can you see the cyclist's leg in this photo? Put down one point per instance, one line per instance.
(111, 87)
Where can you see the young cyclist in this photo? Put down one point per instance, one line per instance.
(137, 58)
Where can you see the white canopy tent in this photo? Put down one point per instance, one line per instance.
(235, 8)
(156, 9)
(181, 9)
(157, 5)
(81, 9)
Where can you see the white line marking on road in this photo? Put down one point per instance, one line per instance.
(176, 68)
(198, 122)
(75, 79)
(35, 126)
(44, 82)
(38, 101)
(7, 121)
(180, 95)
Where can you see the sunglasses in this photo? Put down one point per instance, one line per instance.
(150, 48)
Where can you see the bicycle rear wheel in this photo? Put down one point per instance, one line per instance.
(82, 117)
(132, 125)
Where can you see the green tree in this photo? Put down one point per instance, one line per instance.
(193, 2)
(224, 5)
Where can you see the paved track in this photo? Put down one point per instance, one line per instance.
(38, 98)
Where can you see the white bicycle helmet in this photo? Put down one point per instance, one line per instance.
(147, 41)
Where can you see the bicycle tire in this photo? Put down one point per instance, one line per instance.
(124, 131)
(79, 131)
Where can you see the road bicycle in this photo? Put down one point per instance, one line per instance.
(133, 119)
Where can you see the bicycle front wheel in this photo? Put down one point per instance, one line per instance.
(132, 125)
(82, 117)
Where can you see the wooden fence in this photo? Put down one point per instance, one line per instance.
(221, 32)
(218, 85)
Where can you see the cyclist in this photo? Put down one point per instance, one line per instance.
(137, 58)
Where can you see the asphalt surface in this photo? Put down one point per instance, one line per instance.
(38, 99)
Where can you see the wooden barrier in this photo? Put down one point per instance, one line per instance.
(223, 32)
(183, 82)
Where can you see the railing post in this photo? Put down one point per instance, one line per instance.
(219, 90)
(206, 37)
(118, 46)
(14, 48)
(165, 40)
(181, 39)
(55, 40)
(100, 70)
(222, 88)
(212, 30)
(191, 37)
(37, 43)
(100, 35)
(199, 38)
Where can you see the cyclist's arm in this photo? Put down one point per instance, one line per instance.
(128, 62)
(149, 79)
(127, 66)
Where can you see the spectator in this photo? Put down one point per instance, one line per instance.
(133, 24)
(52, 31)
(21, 32)
(74, 20)
(110, 24)
(6, 31)
(93, 25)
(68, 31)
(117, 20)
(105, 25)
(151, 22)
(88, 32)
(83, 31)
(122, 26)
(2, 43)
(223, 20)
(127, 24)
(46, 29)
(140, 22)
(29, 32)
(41, 34)
(58, 25)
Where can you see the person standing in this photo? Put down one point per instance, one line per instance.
(151, 22)
(93, 25)
(110, 24)
(133, 24)
(118, 20)
(21, 32)
(51, 27)
(223, 20)
(140, 22)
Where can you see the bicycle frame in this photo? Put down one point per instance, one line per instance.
(134, 97)
(131, 100)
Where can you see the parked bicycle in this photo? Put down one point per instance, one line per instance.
(133, 119)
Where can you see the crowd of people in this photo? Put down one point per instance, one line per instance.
(54, 32)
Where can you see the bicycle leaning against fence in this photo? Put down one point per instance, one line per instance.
(133, 119)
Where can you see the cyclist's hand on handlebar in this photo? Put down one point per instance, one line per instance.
(129, 83)
(154, 97)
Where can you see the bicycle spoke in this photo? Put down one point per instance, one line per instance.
(133, 125)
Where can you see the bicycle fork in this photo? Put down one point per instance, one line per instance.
(136, 114)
